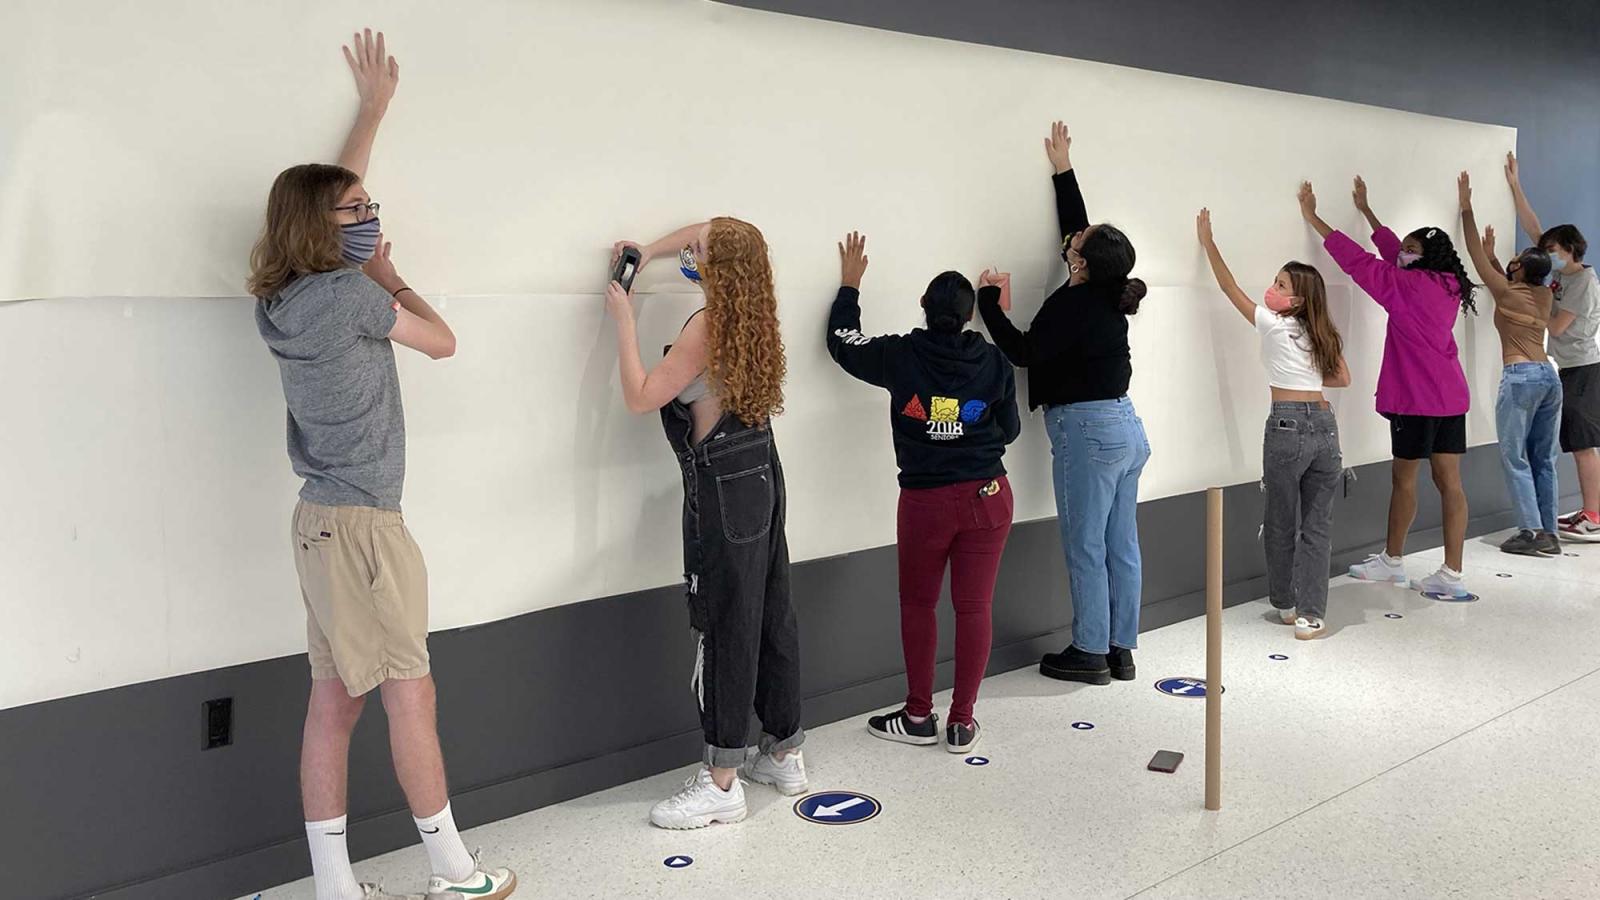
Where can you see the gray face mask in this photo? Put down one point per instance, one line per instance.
(360, 241)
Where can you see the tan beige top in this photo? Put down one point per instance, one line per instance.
(1521, 315)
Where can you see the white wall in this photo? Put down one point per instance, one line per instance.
(143, 479)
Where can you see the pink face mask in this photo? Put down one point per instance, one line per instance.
(1278, 301)
(1405, 259)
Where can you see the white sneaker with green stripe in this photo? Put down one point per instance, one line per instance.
(482, 884)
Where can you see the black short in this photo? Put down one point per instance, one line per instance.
(1419, 437)
(1580, 408)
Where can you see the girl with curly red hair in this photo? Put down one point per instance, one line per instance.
(717, 389)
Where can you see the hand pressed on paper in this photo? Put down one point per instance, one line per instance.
(376, 72)
(1058, 146)
(1308, 201)
(852, 259)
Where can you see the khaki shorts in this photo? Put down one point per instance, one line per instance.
(366, 593)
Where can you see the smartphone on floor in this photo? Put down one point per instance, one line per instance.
(1165, 761)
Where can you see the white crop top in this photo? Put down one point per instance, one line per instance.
(1286, 353)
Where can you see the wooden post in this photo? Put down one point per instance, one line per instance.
(1214, 648)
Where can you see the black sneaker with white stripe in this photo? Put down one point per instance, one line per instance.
(897, 726)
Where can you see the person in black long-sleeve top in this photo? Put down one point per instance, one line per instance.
(953, 410)
(1079, 366)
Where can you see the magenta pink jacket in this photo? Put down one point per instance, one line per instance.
(1421, 373)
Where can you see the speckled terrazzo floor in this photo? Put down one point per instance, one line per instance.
(1450, 752)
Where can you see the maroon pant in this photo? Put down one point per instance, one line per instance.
(958, 527)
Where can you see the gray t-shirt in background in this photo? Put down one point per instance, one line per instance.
(1580, 295)
(347, 429)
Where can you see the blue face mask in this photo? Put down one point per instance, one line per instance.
(687, 265)
(360, 241)
(1558, 260)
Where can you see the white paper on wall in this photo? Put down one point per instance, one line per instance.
(144, 477)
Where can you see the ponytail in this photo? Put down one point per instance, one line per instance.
(1439, 255)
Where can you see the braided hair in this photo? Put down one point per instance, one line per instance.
(1439, 255)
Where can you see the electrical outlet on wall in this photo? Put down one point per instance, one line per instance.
(218, 723)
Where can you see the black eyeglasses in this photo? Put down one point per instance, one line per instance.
(362, 211)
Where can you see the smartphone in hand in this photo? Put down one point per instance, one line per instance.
(626, 268)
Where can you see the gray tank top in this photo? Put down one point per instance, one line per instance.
(697, 389)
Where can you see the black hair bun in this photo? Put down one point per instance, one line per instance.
(1132, 293)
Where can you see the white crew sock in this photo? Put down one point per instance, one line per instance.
(330, 861)
(1390, 560)
(446, 853)
(1449, 573)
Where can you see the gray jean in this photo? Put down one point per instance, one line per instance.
(1302, 470)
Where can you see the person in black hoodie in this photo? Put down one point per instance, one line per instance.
(1079, 366)
(953, 410)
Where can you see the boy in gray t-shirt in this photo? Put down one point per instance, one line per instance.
(1574, 323)
(329, 332)
(363, 582)
(1578, 295)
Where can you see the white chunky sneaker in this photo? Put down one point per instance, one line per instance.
(482, 884)
(1581, 528)
(1307, 628)
(699, 804)
(1379, 567)
(787, 775)
(1443, 583)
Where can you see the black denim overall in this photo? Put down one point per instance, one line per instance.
(736, 565)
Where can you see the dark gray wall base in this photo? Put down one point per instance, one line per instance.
(122, 803)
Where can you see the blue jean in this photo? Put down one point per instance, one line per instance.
(1526, 415)
(1099, 449)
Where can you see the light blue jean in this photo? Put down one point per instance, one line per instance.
(1099, 448)
(1526, 416)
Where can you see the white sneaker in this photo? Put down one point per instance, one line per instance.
(1287, 616)
(788, 776)
(1443, 583)
(1581, 528)
(482, 884)
(1307, 628)
(699, 804)
(1377, 567)
(376, 892)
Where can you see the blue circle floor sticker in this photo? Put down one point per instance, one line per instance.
(1083, 726)
(977, 760)
(1184, 687)
(1450, 598)
(837, 808)
(1279, 657)
(678, 862)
